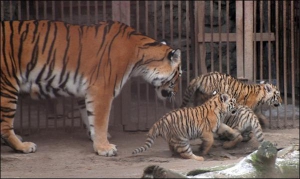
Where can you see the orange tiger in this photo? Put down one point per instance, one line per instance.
(180, 126)
(254, 96)
(52, 58)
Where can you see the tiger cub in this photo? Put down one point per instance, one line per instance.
(181, 125)
(252, 95)
(243, 121)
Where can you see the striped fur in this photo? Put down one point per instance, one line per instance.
(245, 122)
(181, 125)
(49, 59)
(202, 87)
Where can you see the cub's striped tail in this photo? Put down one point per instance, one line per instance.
(189, 92)
(257, 129)
(152, 134)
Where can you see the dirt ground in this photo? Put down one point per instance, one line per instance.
(63, 153)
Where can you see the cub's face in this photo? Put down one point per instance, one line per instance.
(272, 95)
(228, 103)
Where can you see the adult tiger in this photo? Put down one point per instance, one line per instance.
(52, 58)
(254, 96)
(181, 125)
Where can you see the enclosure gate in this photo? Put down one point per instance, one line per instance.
(254, 40)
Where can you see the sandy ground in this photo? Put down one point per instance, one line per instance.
(69, 153)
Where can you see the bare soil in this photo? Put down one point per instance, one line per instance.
(69, 153)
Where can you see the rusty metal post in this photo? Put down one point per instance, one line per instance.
(239, 39)
(248, 40)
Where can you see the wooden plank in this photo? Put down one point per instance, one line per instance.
(232, 37)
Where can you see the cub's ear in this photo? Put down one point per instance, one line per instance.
(175, 56)
(214, 92)
(262, 82)
(164, 42)
(268, 87)
(224, 97)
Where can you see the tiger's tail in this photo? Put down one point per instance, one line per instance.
(152, 134)
(189, 92)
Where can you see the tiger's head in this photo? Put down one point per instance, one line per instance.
(161, 67)
(228, 103)
(272, 95)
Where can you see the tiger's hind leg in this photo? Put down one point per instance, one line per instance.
(183, 148)
(8, 110)
(233, 135)
(90, 130)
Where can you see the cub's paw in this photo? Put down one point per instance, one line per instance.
(27, 147)
(106, 150)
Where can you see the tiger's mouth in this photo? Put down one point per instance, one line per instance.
(167, 94)
(277, 104)
(233, 111)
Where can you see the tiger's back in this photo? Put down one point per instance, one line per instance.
(181, 125)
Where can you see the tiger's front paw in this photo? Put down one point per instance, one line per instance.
(27, 147)
(106, 150)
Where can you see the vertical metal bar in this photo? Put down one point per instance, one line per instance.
(163, 19)
(62, 10)
(277, 49)
(137, 8)
(284, 62)
(248, 40)
(269, 54)
(212, 64)
(19, 10)
(96, 12)
(10, 10)
(261, 39)
(29, 116)
(200, 41)
(187, 25)
(147, 84)
(254, 42)
(227, 38)
(21, 113)
(220, 40)
(79, 15)
(104, 10)
(27, 10)
(2, 10)
(180, 46)
(293, 61)
(53, 10)
(45, 9)
(71, 11)
(37, 11)
(88, 12)
(239, 39)
(155, 37)
(171, 21)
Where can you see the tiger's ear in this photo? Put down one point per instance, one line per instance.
(224, 97)
(175, 56)
(262, 82)
(268, 88)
